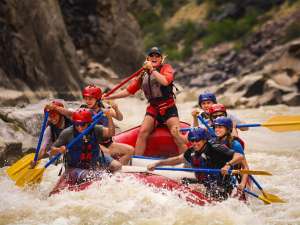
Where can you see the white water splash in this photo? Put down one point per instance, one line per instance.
(130, 202)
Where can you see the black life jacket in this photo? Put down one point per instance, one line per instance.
(198, 162)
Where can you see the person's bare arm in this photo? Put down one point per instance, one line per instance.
(109, 131)
(117, 113)
(61, 110)
(56, 150)
(167, 162)
(122, 94)
(195, 114)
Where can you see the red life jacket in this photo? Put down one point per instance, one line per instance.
(154, 91)
(196, 162)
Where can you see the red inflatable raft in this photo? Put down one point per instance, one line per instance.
(160, 143)
(156, 181)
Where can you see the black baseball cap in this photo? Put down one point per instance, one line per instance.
(154, 49)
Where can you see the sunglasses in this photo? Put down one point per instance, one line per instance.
(195, 140)
(80, 124)
(155, 55)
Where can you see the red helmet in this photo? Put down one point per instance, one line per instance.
(92, 91)
(217, 108)
(58, 103)
(82, 116)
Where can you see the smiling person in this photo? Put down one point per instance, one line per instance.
(56, 123)
(206, 153)
(223, 129)
(92, 96)
(205, 101)
(85, 154)
(218, 110)
(157, 84)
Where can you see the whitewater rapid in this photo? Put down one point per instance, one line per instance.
(130, 202)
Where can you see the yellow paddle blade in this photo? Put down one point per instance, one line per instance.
(252, 172)
(283, 123)
(33, 176)
(273, 198)
(19, 165)
(22, 172)
(265, 200)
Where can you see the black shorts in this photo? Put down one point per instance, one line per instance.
(170, 112)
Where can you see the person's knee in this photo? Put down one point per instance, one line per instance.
(115, 166)
(130, 150)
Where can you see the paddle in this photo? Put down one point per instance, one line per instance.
(278, 123)
(265, 200)
(124, 82)
(210, 130)
(145, 157)
(35, 175)
(20, 168)
(201, 170)
(268, 196)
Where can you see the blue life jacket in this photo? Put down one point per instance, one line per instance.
(85, 152)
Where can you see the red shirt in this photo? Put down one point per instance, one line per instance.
(165, 70)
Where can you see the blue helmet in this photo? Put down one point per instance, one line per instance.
(197, 134)
(207, 96)
(224, 121)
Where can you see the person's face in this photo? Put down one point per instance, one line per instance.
(81, 126)
(198, 145)
(216, 115)
(155, 59)
(220, 130)
(90, 101)
(205, 105)
(54, 117)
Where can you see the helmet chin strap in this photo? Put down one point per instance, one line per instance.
(60, 121)
(97, 105)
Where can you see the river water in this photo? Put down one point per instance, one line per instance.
(129, 202)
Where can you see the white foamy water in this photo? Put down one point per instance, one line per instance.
(130, 202)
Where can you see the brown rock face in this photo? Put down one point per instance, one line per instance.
(106, 32)
(36, 53)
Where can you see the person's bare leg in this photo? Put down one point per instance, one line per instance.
(115, 166)
(174, 123)
(123, 150)
(145, 130)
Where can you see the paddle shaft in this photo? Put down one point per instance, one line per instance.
(41, 136)
(268, 124)
(257, 184)
(210, 130)
(199, 170)
(87, 130)
(266, 201)
(124, 82)
(145, 157)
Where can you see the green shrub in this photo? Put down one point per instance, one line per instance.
(229, 29)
